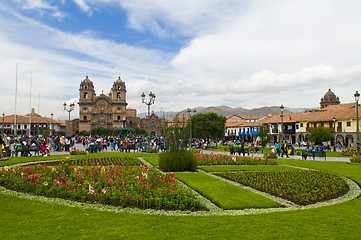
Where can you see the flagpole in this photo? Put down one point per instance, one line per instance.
(39, 113)
(16, 94)
(31, 78)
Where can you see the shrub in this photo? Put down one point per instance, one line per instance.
(177, 161)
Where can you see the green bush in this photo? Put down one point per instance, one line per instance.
(178, 161)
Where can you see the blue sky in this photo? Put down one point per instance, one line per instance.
(240, 53)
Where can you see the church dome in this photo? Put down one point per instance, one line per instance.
(329, 96)
(329, 99)
(87, 82)
(119, 84)
(119, 81)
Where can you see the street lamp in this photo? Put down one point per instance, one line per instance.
(334, 130)
(48, 126)
(150, 102)
(52, 126)
(189, 111)
(357, 98)
(282, 108)
(71, 108)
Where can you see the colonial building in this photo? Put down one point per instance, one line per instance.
(339, 119)
(108, 111)
(156, 124)
(32, 123)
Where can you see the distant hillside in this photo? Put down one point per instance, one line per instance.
(227, 111)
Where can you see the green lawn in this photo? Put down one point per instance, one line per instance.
(223, 194)
(25, 219)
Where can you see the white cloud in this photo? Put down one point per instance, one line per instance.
(40, 6)
(185, 17)
(242, 53)
(83, 6)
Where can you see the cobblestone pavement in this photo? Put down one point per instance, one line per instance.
(293, 157)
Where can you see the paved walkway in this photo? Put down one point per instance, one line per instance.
(339, 159)
(81, 147)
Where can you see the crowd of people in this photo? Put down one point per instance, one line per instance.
(27, 146)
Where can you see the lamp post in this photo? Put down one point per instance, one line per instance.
(334, 137)
(357, 98)
(52, 126)
(189, 111)
(48, 126)
(3, 124)
(71, 108)
(149, 103)
(282, 108)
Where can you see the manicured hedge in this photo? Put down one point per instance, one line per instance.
(177, 161)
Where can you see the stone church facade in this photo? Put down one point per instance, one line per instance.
(108, 111)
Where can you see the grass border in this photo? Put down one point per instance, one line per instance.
(354, 192)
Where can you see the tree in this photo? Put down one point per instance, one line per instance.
(101, 131)
(140, 132)
(208, 125)
(263, 134)
(320, 134)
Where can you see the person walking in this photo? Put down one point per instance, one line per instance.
(285, 149)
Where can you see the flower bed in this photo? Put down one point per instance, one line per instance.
(301, 187)
(349, 152)
(355, 159)
(127, 186)
(122, 161)
(75, 151)
(221, 159)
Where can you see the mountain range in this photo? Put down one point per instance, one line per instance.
(227, 111)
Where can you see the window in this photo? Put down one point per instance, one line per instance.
(321, 124)
(339, 124)
(85, 95)
(84, 118)
(118, 108)
(118, 95)
(85, 87)
(101, 115)
(348, 124)
(24, 126)
(301, 124)
(118, 117)
(84, 108)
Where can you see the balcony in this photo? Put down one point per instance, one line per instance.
(309, 129)
(289, 131)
